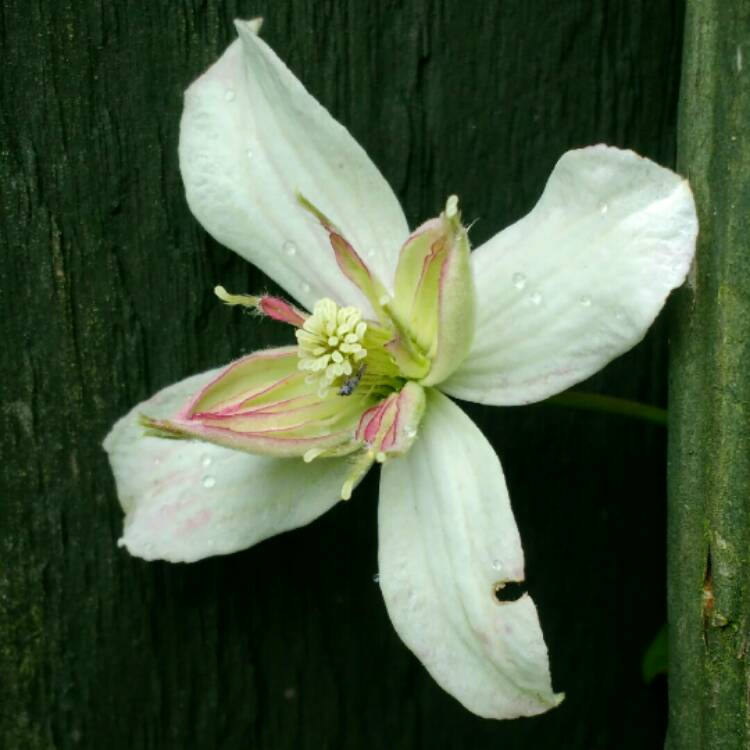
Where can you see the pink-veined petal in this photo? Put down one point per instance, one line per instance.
(186, 500)
(447, 539)
(264, 404)
(390, 427)
(434, 292)
(579, 280)
(251, 139)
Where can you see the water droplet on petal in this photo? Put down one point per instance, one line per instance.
(206, 460)
(536, 298)
(519, 280)
(209, 481)
(249, 153)
(585, 300)
(305, 287)
(376, 578)
(497, 565)
(620, 314)
(603, 208)
(229, 95)
(289, 248)
(410, 431)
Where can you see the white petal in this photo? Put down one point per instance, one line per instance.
(579, 280)
(447, 537)
(188, 500)
(251, 137)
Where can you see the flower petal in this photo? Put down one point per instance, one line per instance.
(447, 539)
(252, 139)
(579, 280)
(186, 500)
(390, 427)
(263, 403)
(434, 292)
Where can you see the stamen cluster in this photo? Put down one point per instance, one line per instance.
(330, 344)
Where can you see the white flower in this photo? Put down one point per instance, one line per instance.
(398, 321)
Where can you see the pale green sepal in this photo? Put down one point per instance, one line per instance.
(265, 404)
(434, 292)
(414, 305)
(456, 308)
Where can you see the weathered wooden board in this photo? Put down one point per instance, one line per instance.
(106, 295)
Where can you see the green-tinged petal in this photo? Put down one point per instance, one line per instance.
(448, 540)
(434, 292)
(390, 427)
(265, 404)
(186, 500)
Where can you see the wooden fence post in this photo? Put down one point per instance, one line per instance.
(709, 430)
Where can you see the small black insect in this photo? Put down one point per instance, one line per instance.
(351, 383)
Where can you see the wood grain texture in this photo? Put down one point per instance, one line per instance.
(709, 455)
(106, 292)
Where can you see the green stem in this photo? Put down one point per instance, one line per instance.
(610, 405)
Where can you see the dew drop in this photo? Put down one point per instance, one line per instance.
(585, 300)
(519, 280)
(536, 298)
(229, 95)
(206, 460)
(289, 248)
(619, 314)
(209, 481)
(497, 565)
(376, 578)
(305, 287)
(603, 208)
(249, 153)
(410, 431)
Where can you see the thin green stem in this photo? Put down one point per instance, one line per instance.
(610, 405)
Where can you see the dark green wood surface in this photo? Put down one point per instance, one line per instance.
(709, 456)
(105, 287)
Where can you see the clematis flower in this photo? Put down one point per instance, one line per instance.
(388, 324)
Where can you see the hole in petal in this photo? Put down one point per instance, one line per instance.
(508, 591)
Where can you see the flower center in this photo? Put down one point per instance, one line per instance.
(331, 346)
